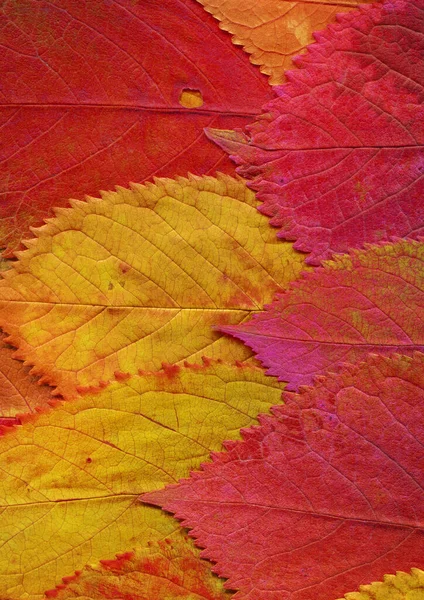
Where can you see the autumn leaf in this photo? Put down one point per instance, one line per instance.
(100, 93)
(327, 494)
(163, 570)
(274, 32)
(73, 474)
(140, 277)
(19, 391)
(337, 158)
(368, 301)
(394, 587)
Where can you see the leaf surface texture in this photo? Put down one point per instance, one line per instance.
(72, 475)
(369, 301)
(337, 158)
(394, 587)
(274, 32)
(19, 391)
(326, 494)
(140, 277)
(91, 97)
(166, 569)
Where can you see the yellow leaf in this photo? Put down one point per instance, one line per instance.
(164, 570)
(140, 277)
(71, 476)
(402, 586)
(273, 31)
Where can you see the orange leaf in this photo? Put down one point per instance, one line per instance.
(19, 391)
(274, 32)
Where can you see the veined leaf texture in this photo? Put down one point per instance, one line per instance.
(369, 301)
(73, 474)
(337, 158)
(328, 491)
(119, 304)
(90, 99)
(170, 568)
(140, 277)
(273, 32)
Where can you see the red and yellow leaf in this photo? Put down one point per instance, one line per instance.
(326, 495)
(19, 391)
(163, 570)
(368, 301)
(274, 32)
(73, 474)
(338, 158)
(140, 277)
(93, 95)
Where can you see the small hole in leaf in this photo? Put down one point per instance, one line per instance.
(191, 98)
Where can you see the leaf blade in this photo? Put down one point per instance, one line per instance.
(89, 90)
(74, 473)
(337, 157)
(368, 301)
(337, 469)
(140, 277)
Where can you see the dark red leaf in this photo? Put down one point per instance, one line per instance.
(91, 97)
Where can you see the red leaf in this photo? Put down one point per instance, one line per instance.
(369, 301)
(92, 97)
(327, 494)
(337, 159)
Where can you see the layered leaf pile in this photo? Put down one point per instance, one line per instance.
(19, 391)
(73, 474)
(337, 158)
(167, 569)
(371, 300)
(129, 385)
(274, 32)
(326, 493)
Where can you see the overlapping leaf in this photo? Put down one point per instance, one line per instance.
(163, 570)
(72, 475)
(94, 95)
(325, 495)
(394, 587)
(338, 158)
(19, 391)
(273, 32)
(368, 301)
(140, 277)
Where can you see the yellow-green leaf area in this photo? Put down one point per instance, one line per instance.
(140, 277)
(72, 475)
(402, 586)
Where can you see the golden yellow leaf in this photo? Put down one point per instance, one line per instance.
(164, 570)
(273, 31)
(140, 277)
(72, 476)
(402, 586)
